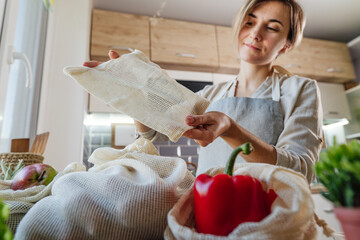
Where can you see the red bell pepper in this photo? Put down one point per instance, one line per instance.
(223, 202)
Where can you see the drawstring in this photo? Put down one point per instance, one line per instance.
(327, 230)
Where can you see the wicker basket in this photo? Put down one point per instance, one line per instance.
(14, 158)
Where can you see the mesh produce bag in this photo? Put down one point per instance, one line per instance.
(137, 87)
(21, 201)
(292, 215)
(126, 195)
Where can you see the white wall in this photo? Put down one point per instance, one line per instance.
(62, 103)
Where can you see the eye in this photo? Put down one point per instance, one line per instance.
(272, 29)
(248, 23)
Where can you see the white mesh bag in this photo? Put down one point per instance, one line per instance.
(139, 88)
(21, 201)
(292, 215)
(126, 195)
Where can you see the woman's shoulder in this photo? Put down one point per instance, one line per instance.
(297, 83)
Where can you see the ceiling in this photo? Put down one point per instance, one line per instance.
(326, 19)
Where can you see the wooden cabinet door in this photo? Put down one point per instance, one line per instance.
(332, 60)
(118, 31)
(321, 60)
(228, 60)
(183, 45)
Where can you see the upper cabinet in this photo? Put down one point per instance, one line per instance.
(321, 60)
(180, 45)
(228, 60)
(118, 31)
(183, 45)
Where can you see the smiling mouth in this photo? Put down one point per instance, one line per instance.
(252, 47)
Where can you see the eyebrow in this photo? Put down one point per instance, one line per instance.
(271, 20)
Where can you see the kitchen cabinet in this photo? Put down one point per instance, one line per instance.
(334, 101)
(183, 45)
(228, 59)
(118, 31)
(352, 130)
(321, 60)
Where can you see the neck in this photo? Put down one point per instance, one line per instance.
(251, 75)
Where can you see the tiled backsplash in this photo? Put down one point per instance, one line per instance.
(96, 136)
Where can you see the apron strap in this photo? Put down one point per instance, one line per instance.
(276, 82)
(275, 88)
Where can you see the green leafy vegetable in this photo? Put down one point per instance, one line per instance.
(7, 172)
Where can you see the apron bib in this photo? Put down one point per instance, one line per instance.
(262, 117)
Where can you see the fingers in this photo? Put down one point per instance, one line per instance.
(91, 64)
(193, 120)
(113, 55)
(201, 136)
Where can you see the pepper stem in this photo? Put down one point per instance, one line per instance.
(246, 148)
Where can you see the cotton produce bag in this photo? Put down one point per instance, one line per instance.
(126, 195)
(292, 215)
(21, 201)
(139, 88)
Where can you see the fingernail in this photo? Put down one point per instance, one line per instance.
(190, 119)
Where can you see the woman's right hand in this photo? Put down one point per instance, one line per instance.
(91, 64)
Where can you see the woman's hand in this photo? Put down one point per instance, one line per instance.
(91, 64)
(208, 127)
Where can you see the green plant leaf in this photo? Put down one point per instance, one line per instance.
(5, 232)
(339, 171)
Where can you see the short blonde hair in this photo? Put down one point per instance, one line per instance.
(297, 21)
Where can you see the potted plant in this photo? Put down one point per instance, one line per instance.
(339, 171)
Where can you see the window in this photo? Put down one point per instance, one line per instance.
(23, 31)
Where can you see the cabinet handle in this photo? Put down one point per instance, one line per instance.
(333, 113)
(121, 48)
(290, 65)
(339, 70)
(188, 55)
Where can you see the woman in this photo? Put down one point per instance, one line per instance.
(279, 114)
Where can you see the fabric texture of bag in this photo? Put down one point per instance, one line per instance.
(292, 215)
(125, 195)
(139, 88)
(21, 201)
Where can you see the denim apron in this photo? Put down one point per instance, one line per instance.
(261, 117)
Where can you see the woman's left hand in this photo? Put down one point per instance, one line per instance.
(207, 127)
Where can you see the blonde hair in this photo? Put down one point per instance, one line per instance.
(297, 21)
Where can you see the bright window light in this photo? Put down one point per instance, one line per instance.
(338, 123)
(106, 119)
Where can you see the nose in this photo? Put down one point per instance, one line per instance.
(256, 33)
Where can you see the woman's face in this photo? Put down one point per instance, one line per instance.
(264, 33)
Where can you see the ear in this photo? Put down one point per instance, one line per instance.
(286, 47)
